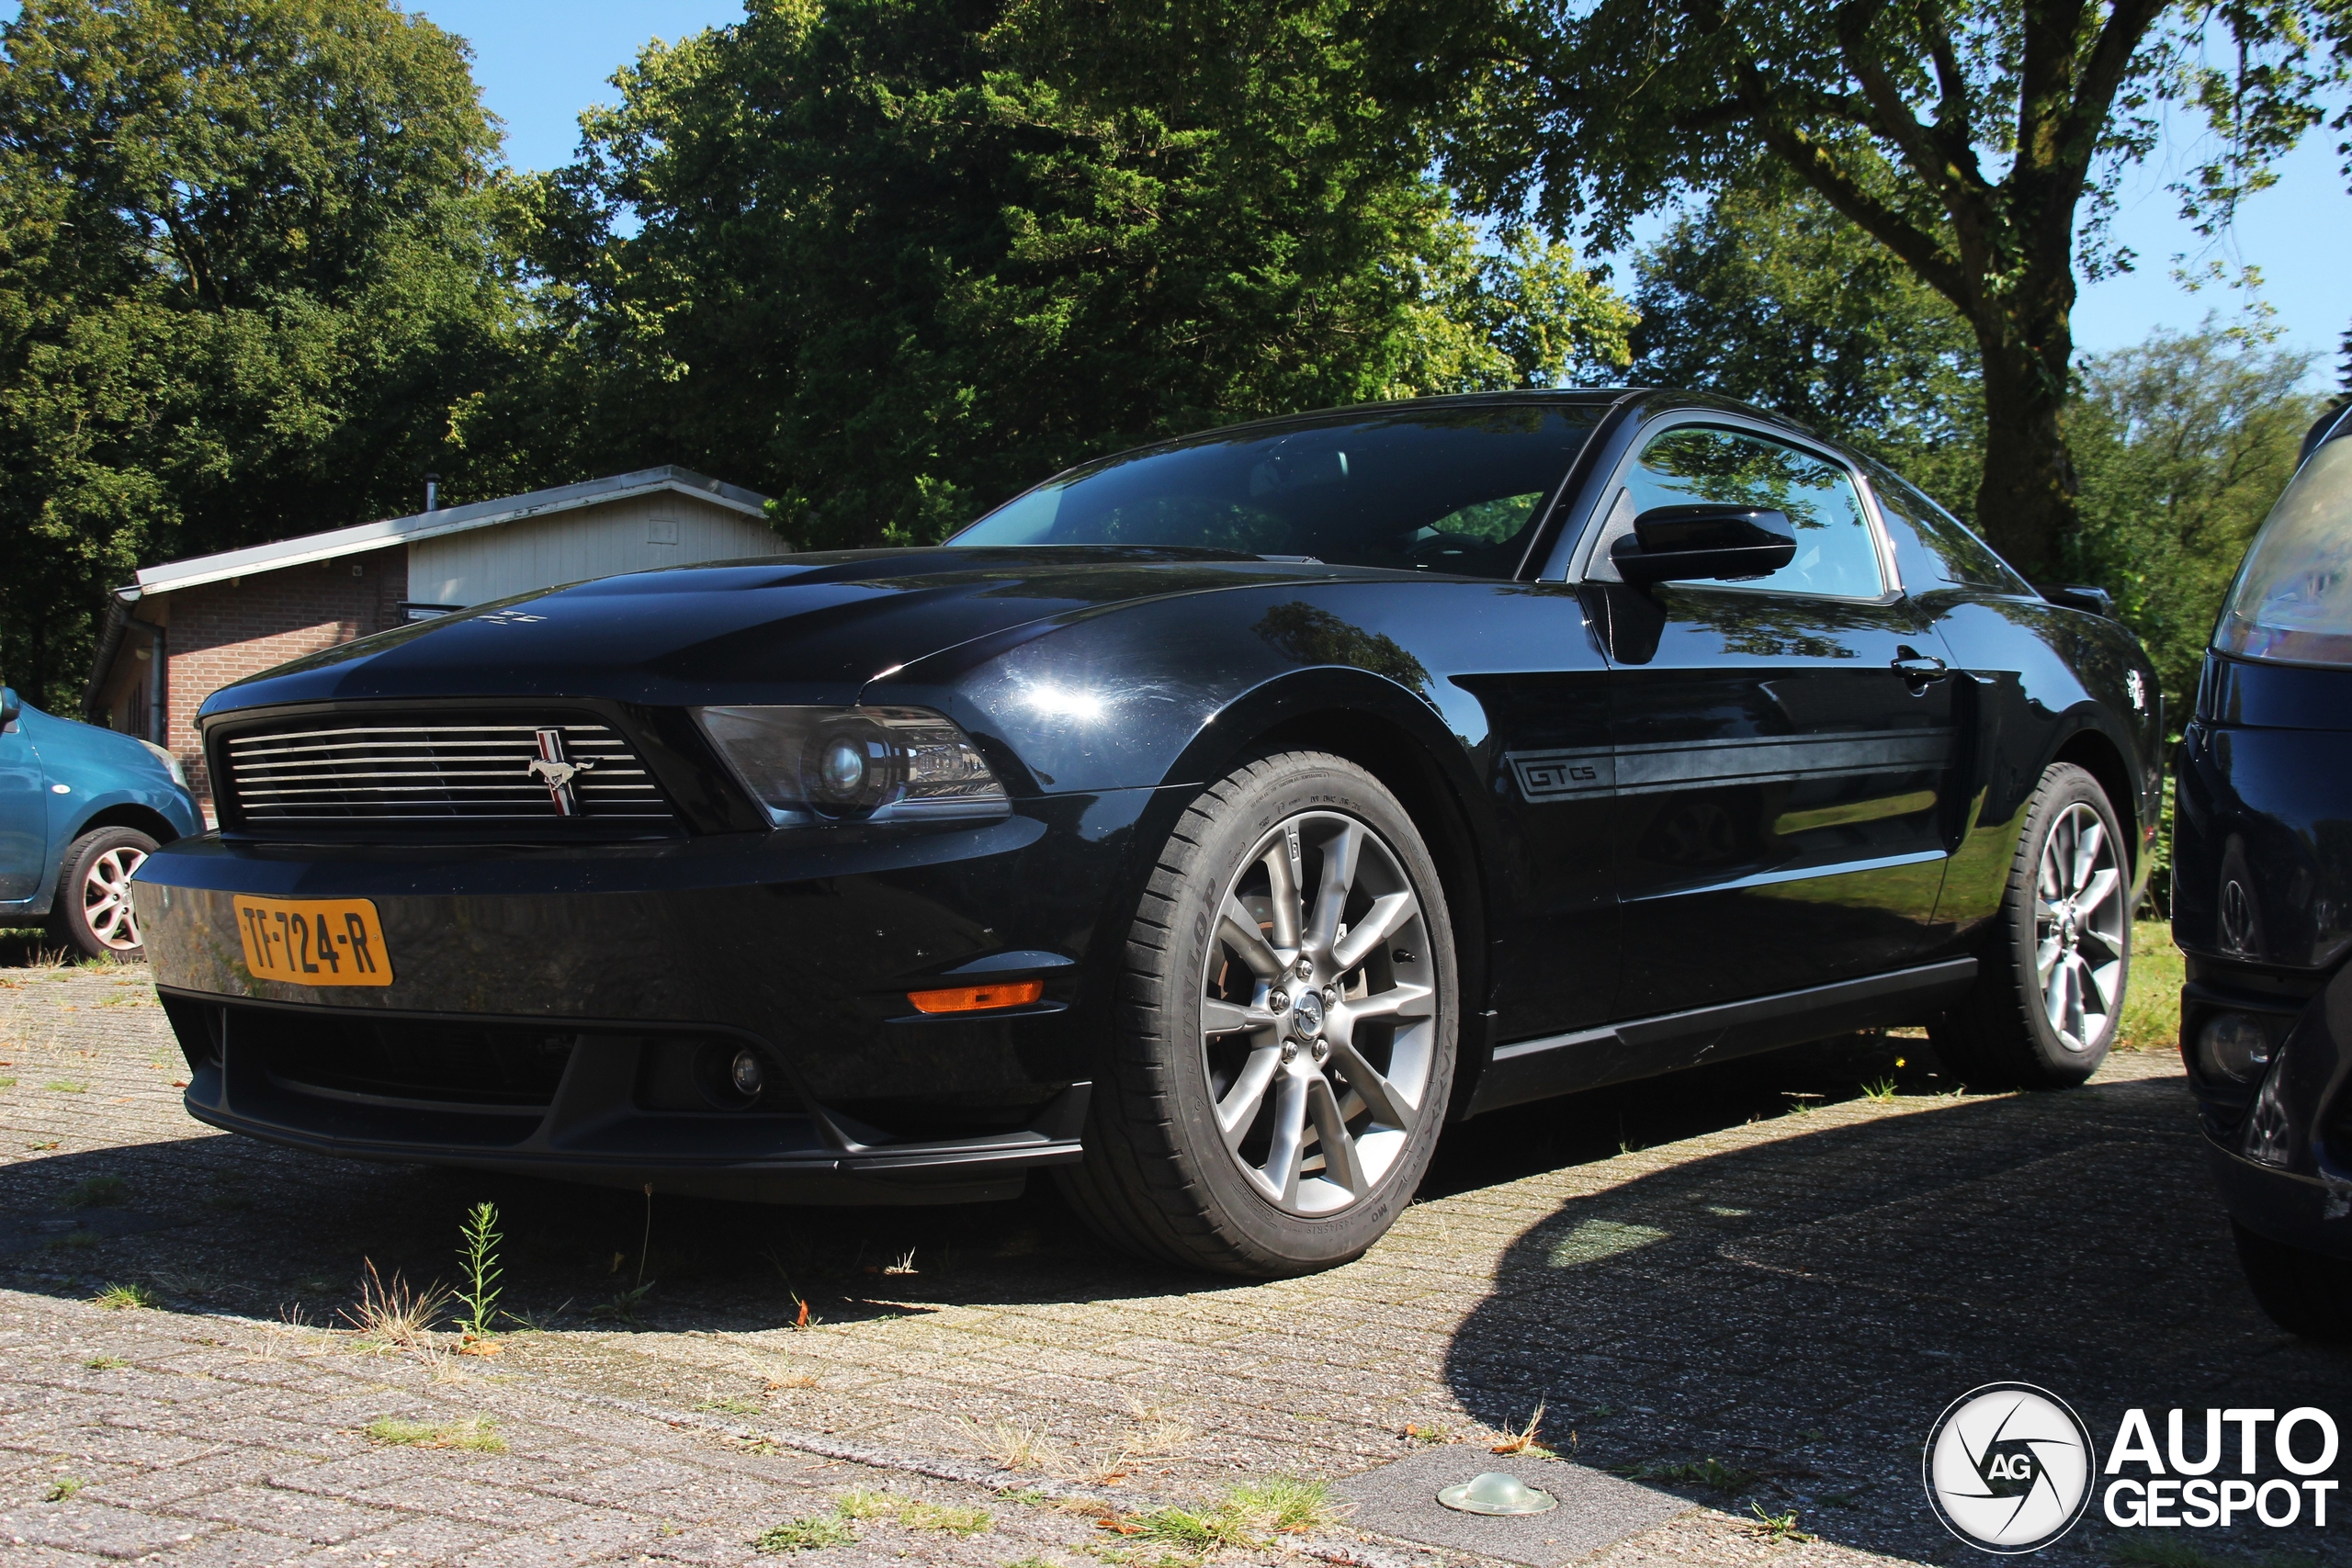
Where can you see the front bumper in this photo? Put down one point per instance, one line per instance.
(553, 1008)
(2281, 1149)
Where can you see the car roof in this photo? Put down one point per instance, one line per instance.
(1577, 397)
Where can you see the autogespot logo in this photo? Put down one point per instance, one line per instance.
(2009, 1467)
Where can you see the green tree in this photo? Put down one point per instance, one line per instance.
(1977, 142)
(252, 253)
(1780, 301)
(894, 260)
(2184, 442)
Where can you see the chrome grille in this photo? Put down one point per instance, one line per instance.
(369, 770)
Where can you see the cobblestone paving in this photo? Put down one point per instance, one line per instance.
(1756, 1265)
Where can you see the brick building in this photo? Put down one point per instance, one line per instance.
(187, 628)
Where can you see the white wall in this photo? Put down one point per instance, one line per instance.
(665, 528)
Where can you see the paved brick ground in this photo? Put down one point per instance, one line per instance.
(1676, 1272)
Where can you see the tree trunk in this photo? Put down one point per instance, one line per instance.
(2025, 504)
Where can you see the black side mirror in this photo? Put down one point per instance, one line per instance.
(9, 707)
(2077, 597)
(1702, 540)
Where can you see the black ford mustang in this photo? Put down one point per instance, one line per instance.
(1212, 824)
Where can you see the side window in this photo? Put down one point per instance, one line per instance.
(1836, 553)
(1959, 556)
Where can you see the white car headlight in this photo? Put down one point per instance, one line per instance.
(808, 765)
(180, 774)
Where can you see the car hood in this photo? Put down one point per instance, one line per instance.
(811, 628)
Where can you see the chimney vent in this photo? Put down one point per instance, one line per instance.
(432, 492)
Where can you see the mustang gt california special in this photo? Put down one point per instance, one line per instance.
(1211, 824)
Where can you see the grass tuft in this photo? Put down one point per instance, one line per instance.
(1880, 1094)
(123, 1298)
(803, 1535)
(66, 1085)
(475, 1434)
(98, 1193)
(65, 1486)
(392, 1315)
(106, 1363)
(1017, 1448)
(913, 1512)
(1242, 1519)
(1711, 1472)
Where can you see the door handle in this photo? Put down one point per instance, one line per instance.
(1919, 669)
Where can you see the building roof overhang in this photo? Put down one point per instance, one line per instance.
(363, 537)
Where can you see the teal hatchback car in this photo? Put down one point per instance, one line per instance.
(80, 809)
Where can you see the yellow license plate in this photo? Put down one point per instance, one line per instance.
(314, 941)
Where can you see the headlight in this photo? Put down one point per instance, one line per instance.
(808, 765)
(180, 774)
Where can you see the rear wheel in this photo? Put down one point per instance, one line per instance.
(1285, 1049)
(92, 909)
(2051, 976)
(2306, 1293)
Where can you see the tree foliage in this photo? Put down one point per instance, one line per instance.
(2184, 442)
(249, 254)
(1973, 140)
(894, 260)
(1780, 301)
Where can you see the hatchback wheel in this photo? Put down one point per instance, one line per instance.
(2051, 976)
(92, 909)
(1286, 1028)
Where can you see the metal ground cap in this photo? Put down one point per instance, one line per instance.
(1496, 1494)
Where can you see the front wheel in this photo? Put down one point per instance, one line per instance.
(93, 906)
(2049, 990)
(1285, 1039)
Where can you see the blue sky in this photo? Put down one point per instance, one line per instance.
(540, 61)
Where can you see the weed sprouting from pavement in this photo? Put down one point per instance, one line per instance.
(97, 1192)
(1017, 1448)
(730, 1406)
(392, 1315)
(106, 1363)
(804, 1535)
(62, 1488)
(124, 1298)
(1779, 1527)
(913, 1513)
(478, 1250)
(1285, 1505)
(1711, 1472)
(66, 1085)
(475, 1434)
(1521, 1441)
(623, 1307)
(1880, 1094)
(1244, 1519)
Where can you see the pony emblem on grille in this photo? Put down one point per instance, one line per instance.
(551, 768)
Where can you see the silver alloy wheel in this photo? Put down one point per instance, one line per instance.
(1318, 1013)
(106, 898)
(2078, 927)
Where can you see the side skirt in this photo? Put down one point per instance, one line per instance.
(1643, 1047)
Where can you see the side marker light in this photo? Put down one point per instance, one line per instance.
(978, 999)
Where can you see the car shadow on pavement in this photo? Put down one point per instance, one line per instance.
(225, 1222)
(1776, 1327)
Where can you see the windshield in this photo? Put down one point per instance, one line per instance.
(1453, 489)
(2292, 599)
